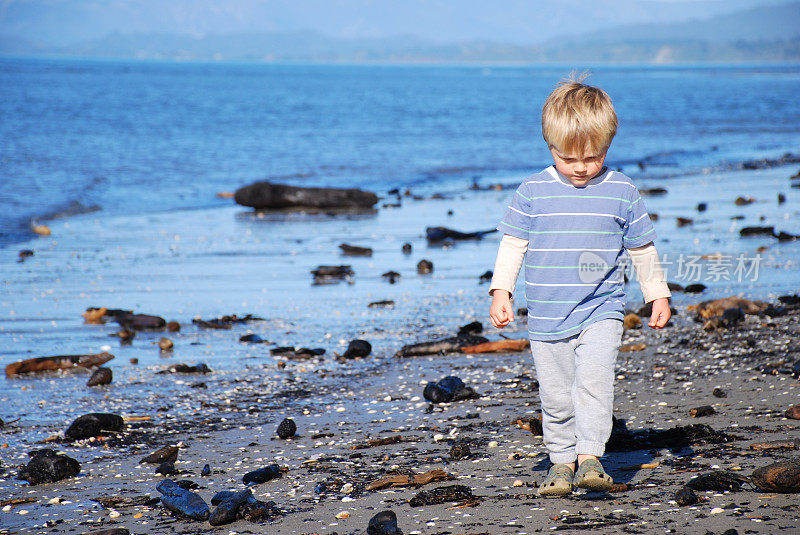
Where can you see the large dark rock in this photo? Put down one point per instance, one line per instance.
(94, 424)
(47, 466)
(266, 195)
(384, 523)
(686, 496)
(182, 501)
(451, 388)
(226, 511)
(262, 475)
(357, 349)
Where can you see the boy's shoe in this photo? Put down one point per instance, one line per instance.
(558, 481)
(591, 476)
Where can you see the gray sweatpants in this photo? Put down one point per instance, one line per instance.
(576, 387)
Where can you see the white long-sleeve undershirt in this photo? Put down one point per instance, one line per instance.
(511, 254)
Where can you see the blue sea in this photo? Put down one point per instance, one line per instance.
(131, 137)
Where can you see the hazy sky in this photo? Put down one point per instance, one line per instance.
(520, 21)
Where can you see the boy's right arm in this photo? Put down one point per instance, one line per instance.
(510, 256)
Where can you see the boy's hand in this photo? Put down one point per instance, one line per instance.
(500, 313)
(661, 313)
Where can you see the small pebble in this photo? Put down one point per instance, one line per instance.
(342, 515)
(717, 510)
(493, 444)
(517, 483)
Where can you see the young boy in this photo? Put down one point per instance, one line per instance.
(571, 222)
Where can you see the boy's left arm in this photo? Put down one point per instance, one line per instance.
(652, 282)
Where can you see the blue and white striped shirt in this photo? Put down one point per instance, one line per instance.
(576, 236)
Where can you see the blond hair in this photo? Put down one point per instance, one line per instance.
(577, 117)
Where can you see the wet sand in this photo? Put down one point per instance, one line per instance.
(213, 262)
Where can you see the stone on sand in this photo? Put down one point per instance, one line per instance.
(47, 466)
(94, 424)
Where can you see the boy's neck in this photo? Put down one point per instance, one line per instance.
(596, 179)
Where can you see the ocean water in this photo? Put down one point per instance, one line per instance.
(143, 137)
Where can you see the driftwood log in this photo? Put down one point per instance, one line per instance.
(58, 362)
(500, 345)
(405, 480)
(266, 195)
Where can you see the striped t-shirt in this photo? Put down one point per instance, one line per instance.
(576, 236)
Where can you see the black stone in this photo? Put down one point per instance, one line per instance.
(451, 388)
(94, 424)
(358, 349)
(686, 496)
(46, 466)
(384, 523)
(221, 496)
(167, 468)
(262, 475)
(470, 328)
(226, 511)
(329, 274)
(694, 288)
(182, 501)
(287, 428)
(200, 368)
(252, 339)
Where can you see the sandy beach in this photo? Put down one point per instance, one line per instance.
(206, 263)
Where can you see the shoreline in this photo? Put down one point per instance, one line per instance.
(210, 262)
(657, 391)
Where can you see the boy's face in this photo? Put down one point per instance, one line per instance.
(579, 168)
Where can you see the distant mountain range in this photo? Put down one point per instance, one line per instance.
(768, 33)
